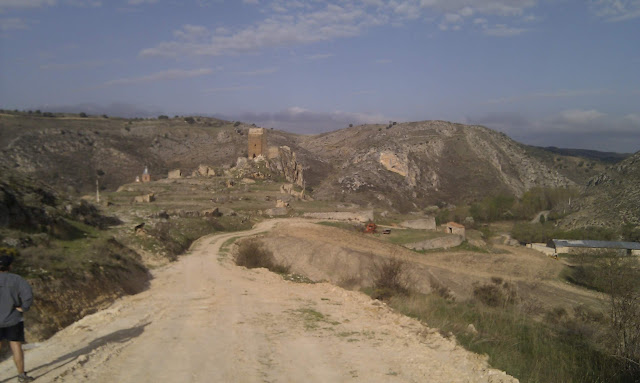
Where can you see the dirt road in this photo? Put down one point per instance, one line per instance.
(206, 320)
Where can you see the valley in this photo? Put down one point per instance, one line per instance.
(149, 266)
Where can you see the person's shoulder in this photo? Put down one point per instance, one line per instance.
(12, 277)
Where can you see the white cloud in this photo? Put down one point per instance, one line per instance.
(172, 74)
(324, 24)
(12, 24)
(633, 118)
(552, 94)
(615, 10)
(502, 30)
(490, 7)
(17, 4)
(579, 116)
(587, 129)
(26, 3)
(301, 120)
(295, 22)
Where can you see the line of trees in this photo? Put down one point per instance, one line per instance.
(504, 207)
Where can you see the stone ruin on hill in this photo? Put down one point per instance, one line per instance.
(257, 143)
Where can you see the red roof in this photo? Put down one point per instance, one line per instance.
(455, 224)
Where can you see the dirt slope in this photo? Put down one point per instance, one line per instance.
(206, 320)
(345, 258)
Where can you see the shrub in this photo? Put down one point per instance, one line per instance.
(189, 120)
(441, 290)
(252, 254)
(389, 278)
(83, 115)
(163, 117)
(496, 294)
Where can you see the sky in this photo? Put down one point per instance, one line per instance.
(562, 73)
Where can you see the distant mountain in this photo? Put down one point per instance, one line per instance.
(405, 166)
(412, 165)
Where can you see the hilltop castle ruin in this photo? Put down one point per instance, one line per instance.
(257, 143)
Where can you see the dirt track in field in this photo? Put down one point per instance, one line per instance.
(206, 320)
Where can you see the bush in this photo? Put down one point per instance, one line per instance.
(189, 120)
(389, 278)
(441, 290)
(163, 117)
(83, 115)
(252, 254)
(496, 294)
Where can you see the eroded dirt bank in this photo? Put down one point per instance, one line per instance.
(206, 320)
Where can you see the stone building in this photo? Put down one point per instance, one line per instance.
(567, 246)
(257, 143)
(146, 177)
(455, 228)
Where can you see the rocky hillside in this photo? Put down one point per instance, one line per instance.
(400, 166)
(408, 166)
(611, 198)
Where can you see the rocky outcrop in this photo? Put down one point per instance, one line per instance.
(204, 171)
(436, 243)
(146, 198)
(393, 163)
(409, 165)
(287, 164)
(173, 174)
(428, 223)
(610, 199)
(361, 216)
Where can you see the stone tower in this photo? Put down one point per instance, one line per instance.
(257, 142)
(146, 177)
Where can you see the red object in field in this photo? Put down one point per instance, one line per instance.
(371, 228)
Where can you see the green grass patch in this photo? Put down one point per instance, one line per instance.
(529, 350)
(314, 319)
(226, 245)
(404, 236)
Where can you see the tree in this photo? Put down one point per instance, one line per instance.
(619, 279)
(83, 115)
(189, 120)
(163, 117)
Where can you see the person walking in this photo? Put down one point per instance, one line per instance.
(15, 298)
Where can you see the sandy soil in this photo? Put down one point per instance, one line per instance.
(206, 320)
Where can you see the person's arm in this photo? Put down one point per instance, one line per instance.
(26, 296)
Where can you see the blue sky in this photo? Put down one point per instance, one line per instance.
(546, 72)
